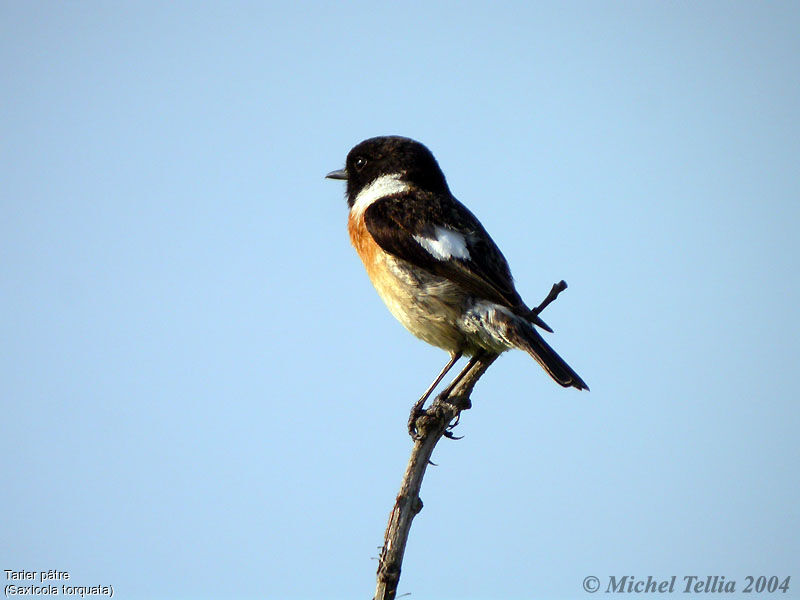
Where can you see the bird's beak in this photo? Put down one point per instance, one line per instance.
(340, 174)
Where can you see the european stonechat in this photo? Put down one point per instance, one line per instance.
(434, 265)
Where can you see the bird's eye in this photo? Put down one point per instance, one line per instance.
(361, 162)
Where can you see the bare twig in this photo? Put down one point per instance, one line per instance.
(431, 427)
(436, 422)
(552, 295)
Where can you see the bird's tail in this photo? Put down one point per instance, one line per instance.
(527, 338)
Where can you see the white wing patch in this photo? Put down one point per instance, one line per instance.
(446, 245)
(385, 185)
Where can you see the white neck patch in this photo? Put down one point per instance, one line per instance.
(385, 185)
(446, 245)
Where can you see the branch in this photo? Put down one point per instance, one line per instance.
(437, 421)
(552, 295)
(431, 427)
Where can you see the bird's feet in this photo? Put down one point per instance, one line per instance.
(416, 412)
(461, 403)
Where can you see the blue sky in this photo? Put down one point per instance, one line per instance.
(202, 395)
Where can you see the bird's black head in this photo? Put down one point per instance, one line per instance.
(390, 155)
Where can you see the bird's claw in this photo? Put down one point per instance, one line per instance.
(448, 433)
(416, 412)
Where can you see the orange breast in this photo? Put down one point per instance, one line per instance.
(427, 305)
(366, 247)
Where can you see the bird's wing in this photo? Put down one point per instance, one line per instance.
(441, 235)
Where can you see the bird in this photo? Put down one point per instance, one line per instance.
(434, 265)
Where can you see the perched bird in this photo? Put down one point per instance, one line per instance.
(433, 263)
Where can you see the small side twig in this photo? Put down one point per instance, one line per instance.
(552, 295)
(437, 422)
